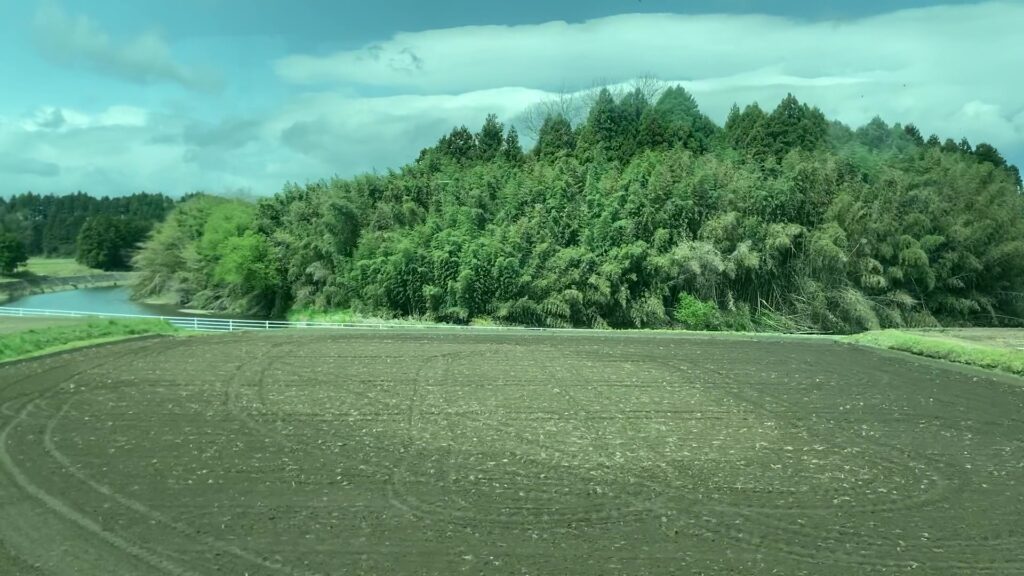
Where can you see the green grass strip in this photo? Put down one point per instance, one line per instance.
(37, 341)
(950, 349)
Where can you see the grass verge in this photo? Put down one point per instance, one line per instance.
(946, 348)
(33, 342)
(350, 317)
(58, 267)
(51, 268)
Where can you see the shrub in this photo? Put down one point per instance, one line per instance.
(696, 314)
(738, 319)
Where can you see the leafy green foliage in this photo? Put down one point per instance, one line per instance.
(12, 253)
(512, 150)
(208, 255)
(793, 125)
(644, 215)
(106, 242)
(49, 225)
(490, 139)
(556, 138)
(695, 314)
(675, 120)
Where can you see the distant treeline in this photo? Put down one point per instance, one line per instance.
(644, 213)
(52, 225)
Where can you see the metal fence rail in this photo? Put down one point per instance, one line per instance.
(184, 322)
(205, 324)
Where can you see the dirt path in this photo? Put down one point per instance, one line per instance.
(420, 453)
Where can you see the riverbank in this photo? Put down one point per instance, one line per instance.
(11, 289)
(52, 267)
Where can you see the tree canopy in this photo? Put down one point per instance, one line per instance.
(49, 225)
(646, 214)
(12, 253)
(106, 242)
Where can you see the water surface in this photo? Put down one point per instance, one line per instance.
(106, 300)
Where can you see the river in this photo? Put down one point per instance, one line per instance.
(110, 300)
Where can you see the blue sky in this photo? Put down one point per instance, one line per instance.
(112, 97)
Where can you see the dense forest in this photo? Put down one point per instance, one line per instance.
(644, 213)
(98, 231)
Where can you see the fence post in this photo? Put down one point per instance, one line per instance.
(266, 324)
(195, 323)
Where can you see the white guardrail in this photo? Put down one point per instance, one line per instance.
(205, 324)
(186, 322)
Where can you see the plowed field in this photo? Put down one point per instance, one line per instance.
(491, 453)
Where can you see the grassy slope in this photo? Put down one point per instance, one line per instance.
(348, 316)
(35, 341)
(58, 267)
(51, 267)
(11, 324)
(947, 346)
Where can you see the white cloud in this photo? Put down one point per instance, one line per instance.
(922, 65)
(950, 70)
(350, 134)
(123, 149)
(78, 42)
(615, 48)
(30, 167)
(51, 118)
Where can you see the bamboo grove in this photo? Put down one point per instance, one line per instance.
(642, 214)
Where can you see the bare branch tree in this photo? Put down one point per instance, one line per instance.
(569, 105)
(573, 106)
(650, 86)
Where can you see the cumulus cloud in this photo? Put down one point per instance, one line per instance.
(948, 69)
(78, 42)
(938, 67)
(54, 119)
(23, 166)
(556, 54)
(228, 134)
(351, 133)
(123, 149)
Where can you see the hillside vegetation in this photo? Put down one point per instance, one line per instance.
(643, 214)
(97, 232)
